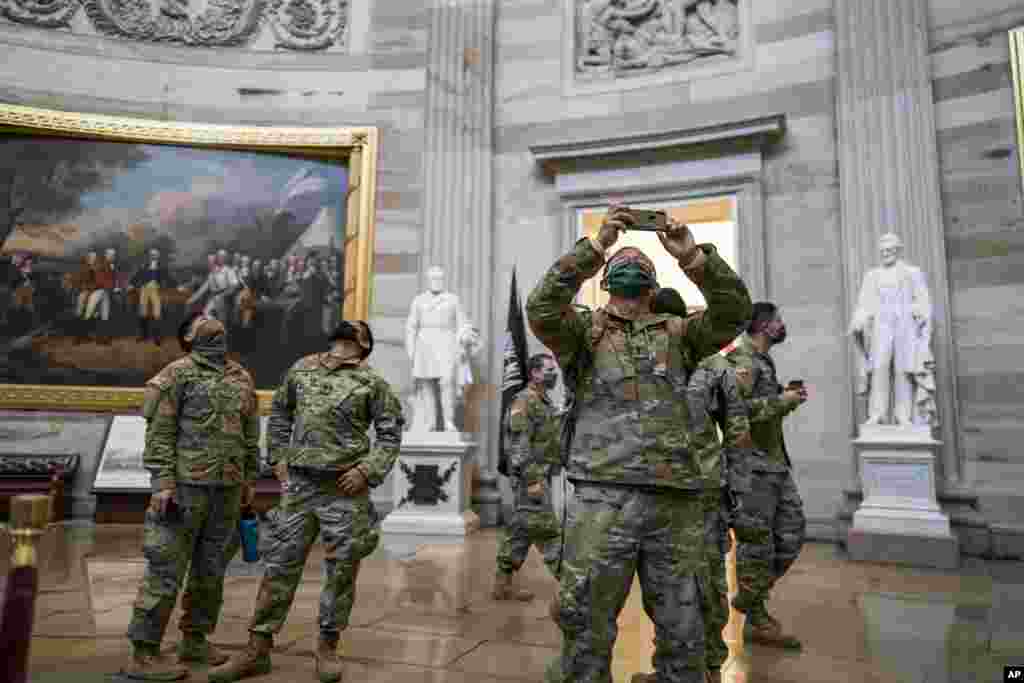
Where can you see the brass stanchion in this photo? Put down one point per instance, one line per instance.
(29, 518)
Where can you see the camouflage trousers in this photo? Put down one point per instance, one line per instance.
(613, 533)
(714, 587)
(191, 537)
(539, 528)
(770, 528)
(311, 506)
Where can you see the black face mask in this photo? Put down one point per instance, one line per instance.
(779, 335)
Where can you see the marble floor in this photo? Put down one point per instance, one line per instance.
(428, 618)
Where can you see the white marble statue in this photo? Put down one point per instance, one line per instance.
(892, 329)
(440, 342)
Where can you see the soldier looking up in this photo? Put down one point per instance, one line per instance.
(319, 446)
(636, 474)
(202, 450)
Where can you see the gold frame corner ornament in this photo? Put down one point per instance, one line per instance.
(1017, 71)
(359, 145)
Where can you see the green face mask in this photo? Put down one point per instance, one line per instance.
(629, 280)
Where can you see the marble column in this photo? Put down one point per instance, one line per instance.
(458, 221)
(889, 182)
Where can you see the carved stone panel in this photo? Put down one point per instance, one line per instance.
(616, 40)
(294, 24)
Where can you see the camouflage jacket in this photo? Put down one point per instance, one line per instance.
(628, 393)
(532, 443)
(201, 424)
(715, 401)
(763, 394)
(321, 415)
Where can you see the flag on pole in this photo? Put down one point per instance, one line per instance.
(513, 376)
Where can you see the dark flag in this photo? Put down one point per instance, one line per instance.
(513, 376)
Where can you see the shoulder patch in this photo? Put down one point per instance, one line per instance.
(165, 377)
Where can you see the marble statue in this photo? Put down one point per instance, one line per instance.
(440, 342)
(892, 328)
(648, 35)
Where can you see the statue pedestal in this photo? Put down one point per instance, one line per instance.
(900, 520)
(432, 491)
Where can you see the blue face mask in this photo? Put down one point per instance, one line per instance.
(629, 280)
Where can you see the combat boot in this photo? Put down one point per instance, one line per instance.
(194, 647)
(504, 590)
(713, 676)
(328, 663)
(148, 665)
(644, 678)
(254, 660)
(766, 630)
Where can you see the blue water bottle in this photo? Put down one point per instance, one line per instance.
(249, 531)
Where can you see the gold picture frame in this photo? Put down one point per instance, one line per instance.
(357, 145)
(1017, 70)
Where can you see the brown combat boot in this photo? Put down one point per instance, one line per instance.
(504, 590)
(195, 648)
(713, 676)
(766, 630)
(644, 678)
(328, 663)
(148, 665)
(254, 660)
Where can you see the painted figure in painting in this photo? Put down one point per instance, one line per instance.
(148, 281)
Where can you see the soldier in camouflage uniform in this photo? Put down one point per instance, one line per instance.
(769, 521)
(319, 446)
(202, 445)
(714, 399)
(532, 442)
(637, 476)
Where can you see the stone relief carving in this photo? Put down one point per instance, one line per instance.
(649, 35)
(295, 24)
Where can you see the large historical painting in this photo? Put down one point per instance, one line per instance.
(108, 245)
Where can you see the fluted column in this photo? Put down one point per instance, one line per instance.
(458, 221)
(889, 180)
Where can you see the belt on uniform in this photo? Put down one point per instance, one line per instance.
(642, 488)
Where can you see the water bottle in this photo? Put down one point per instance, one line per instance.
(249, 531)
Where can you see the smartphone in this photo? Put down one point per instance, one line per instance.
(649, 220)
(795, 384)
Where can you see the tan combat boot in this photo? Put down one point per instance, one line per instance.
(766, 630)
(328, 663)
(195, 648)
(504, 590)
(254, 660)
(148, 665)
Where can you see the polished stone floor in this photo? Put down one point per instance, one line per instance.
(428, 618)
